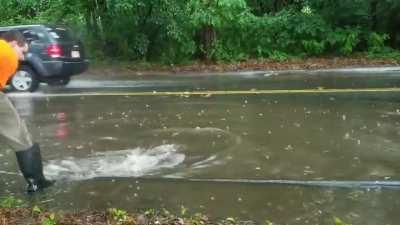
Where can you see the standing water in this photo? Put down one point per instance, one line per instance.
(138, 152)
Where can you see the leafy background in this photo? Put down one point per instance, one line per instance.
(179, 31)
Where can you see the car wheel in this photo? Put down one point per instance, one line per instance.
(24, 80)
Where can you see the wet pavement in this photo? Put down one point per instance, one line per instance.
(219, 144)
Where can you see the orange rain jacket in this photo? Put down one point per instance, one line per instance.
(8, 63)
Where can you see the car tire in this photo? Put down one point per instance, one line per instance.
(25, 80)
(58, 81)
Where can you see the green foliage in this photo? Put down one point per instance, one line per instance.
(151, 212)
(118, 215)
(376, 42)
(267, 222)
(278, 56)
(288, 32)
(343, 13)
(50, 220)
(339, 221)
(313, 47)
(216, 13)
(174, 31)
(386, 53)
(11, 202)
(36, 210)
(184, 211)
(344, 39)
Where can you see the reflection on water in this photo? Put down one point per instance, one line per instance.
(62, 126)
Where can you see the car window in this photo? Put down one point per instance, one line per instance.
(60, 33)
(30, 34)
(33, 35)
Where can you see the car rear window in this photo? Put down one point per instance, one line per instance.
(60, 33)
(30, 33)
(33, 34)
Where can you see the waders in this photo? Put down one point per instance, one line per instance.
(13, 130)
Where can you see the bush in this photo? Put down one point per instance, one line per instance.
(167, 31)
(344, 40)
(376, 42)
(274, 36)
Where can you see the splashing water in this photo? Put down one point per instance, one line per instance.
(125, 163)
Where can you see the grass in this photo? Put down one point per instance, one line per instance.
(14, 211)
(11, 202)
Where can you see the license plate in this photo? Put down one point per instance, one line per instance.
(75, 54)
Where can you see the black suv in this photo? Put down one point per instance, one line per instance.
(54, 56)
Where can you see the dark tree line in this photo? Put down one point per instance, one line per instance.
(181, 30)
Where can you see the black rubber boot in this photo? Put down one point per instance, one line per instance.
(30, 164)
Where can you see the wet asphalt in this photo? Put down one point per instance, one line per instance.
(331, 125)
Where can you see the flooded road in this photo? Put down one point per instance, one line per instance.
(246, 152)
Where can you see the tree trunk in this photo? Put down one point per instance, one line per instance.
(207, 38)
(373, 12)
(394, 38)
(276, 6)
(394, 29)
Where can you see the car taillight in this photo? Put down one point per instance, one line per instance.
(54, 51)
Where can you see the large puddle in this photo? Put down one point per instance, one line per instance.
(138, 152)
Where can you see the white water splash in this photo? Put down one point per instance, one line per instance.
(125, 163)
(206, 163)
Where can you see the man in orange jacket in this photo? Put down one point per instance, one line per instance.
(12, 129)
